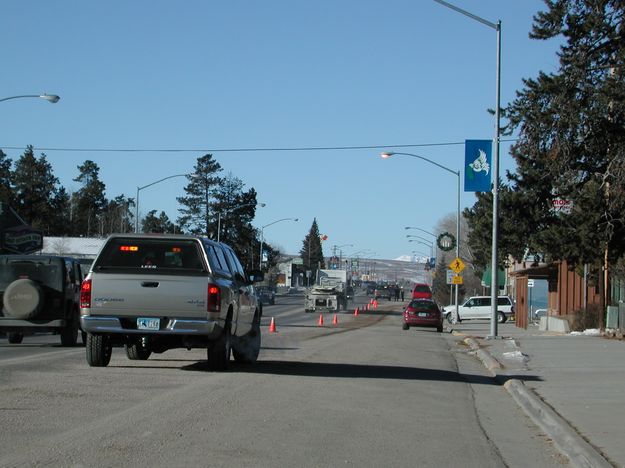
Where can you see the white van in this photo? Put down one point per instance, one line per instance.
(478, 307)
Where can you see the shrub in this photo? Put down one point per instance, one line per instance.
(586, 318)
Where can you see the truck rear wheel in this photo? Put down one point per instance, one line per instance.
(247, 348)
(69, 334)
(98, 350)
(15, 338)
(137, 351)
(218, 352)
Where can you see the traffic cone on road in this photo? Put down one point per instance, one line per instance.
(335, 320)
(356, 311)
(368, 306)
(375, 304)
(272, 326)
(320, 323)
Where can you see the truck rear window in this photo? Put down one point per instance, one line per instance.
(158, 256)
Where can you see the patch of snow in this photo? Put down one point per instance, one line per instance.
(516, 356)
(587, 332)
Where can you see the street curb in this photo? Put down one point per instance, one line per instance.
(489, 362)
(566, 439)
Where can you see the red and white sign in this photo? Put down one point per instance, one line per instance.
(561, 205)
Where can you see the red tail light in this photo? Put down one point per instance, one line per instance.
(85, 293)
(213, 301)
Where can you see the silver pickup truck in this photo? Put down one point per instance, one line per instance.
(152, 293)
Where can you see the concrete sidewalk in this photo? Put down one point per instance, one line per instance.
(573, 387)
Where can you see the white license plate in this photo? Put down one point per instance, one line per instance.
(423, 314)
(148, 323)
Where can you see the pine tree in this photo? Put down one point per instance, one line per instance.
(571, 141)
(6, 191)
(312, 251)
(35, 188)
(198, 213)
(160, 224)
(89, 201)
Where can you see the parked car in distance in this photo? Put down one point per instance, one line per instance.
(266, 295)
(423, 313)
(479, 307)
(421, 291)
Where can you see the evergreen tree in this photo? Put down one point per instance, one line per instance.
(312, 251)
(198, 213)
(117, 216)
(237, 209)
(571, 143)
(35, 188)
(6, 191)
(60, 224)
(89, 202)
(161, 223)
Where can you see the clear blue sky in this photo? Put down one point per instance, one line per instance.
(211, 75)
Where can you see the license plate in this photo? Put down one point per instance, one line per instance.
(148, 323)
(423, 314)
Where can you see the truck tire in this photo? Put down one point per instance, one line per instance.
(246, 349)
(501, 317)
(69, 334)
(23, 299)
(98, 350)
(218, 352)
(137, 351)
(15, 338)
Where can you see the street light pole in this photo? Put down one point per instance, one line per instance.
(146, 186)
(494, 267)
(262, 238)
(457, 174)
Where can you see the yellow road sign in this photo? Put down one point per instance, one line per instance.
(456, 279)
(457, 265)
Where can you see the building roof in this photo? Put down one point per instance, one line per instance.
(72, 246)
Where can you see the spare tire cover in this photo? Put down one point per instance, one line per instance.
(22, 299)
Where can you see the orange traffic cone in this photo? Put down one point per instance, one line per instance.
(320, 323)
(335, 320)
(272, 326)
(356, 311)
(367, 306)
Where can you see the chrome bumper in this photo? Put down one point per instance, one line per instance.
(96, 324)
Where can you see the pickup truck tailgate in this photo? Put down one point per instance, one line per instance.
(139, 295)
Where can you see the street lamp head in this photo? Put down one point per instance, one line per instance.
(386, 154)
(262, 205)
(52, 98)
(296, 219)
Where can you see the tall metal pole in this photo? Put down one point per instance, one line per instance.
(494, 266)
(455, 319)
(137, 212)
(494, 287)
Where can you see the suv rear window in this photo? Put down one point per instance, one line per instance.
(423, 305)
(158, 256)
(43, 271)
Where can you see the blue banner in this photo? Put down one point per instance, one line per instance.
(477, 165)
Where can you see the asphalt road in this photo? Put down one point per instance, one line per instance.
(359, 393)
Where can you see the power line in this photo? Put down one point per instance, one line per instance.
(236, 150)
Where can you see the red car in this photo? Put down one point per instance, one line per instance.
(421, 291)
(423, 313)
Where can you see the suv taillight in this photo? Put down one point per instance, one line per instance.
(85, 293)
(213, 300)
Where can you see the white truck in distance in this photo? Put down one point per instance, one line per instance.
(329, 293)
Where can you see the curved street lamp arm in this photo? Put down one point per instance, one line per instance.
(387, 155)
(419, 229)
(161, 180)
(48, 97)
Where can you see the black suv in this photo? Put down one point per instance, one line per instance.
(40, 293)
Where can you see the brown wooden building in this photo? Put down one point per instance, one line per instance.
(567, 290)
